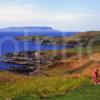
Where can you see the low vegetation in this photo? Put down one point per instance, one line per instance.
(12, 85)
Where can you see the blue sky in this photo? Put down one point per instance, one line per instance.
(65, 15)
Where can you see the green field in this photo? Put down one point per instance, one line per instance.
(85, 92)
(16, 86)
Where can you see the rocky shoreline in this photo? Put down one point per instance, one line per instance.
(58, 41)
(33, 61)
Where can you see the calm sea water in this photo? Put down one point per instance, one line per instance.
(8, 44)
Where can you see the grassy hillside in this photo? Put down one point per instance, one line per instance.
(13, 86)
(85, 38)
(89, 34)
(85, 92)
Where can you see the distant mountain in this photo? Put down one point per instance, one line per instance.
(29, 29)
(36, 31)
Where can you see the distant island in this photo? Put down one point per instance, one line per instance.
(41, 31)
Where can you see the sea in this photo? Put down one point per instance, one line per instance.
(8, 44)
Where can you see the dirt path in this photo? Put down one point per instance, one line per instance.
(88, 66)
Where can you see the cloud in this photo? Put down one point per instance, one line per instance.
(34, 15)
(31, 13)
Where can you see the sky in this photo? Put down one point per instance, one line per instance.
(65, 15)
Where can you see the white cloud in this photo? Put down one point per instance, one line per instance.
(34, 15)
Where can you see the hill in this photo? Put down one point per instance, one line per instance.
(27, 28)
(85, 38)
(88, 34)
(34, 31)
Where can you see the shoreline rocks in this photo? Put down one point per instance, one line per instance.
(34, 61)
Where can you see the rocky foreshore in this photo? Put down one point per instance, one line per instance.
(34, 61)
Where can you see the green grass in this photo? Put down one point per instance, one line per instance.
(85, 92)
(13, 86)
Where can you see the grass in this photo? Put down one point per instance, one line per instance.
(84, 50)
(14, 86)
(85, 92)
